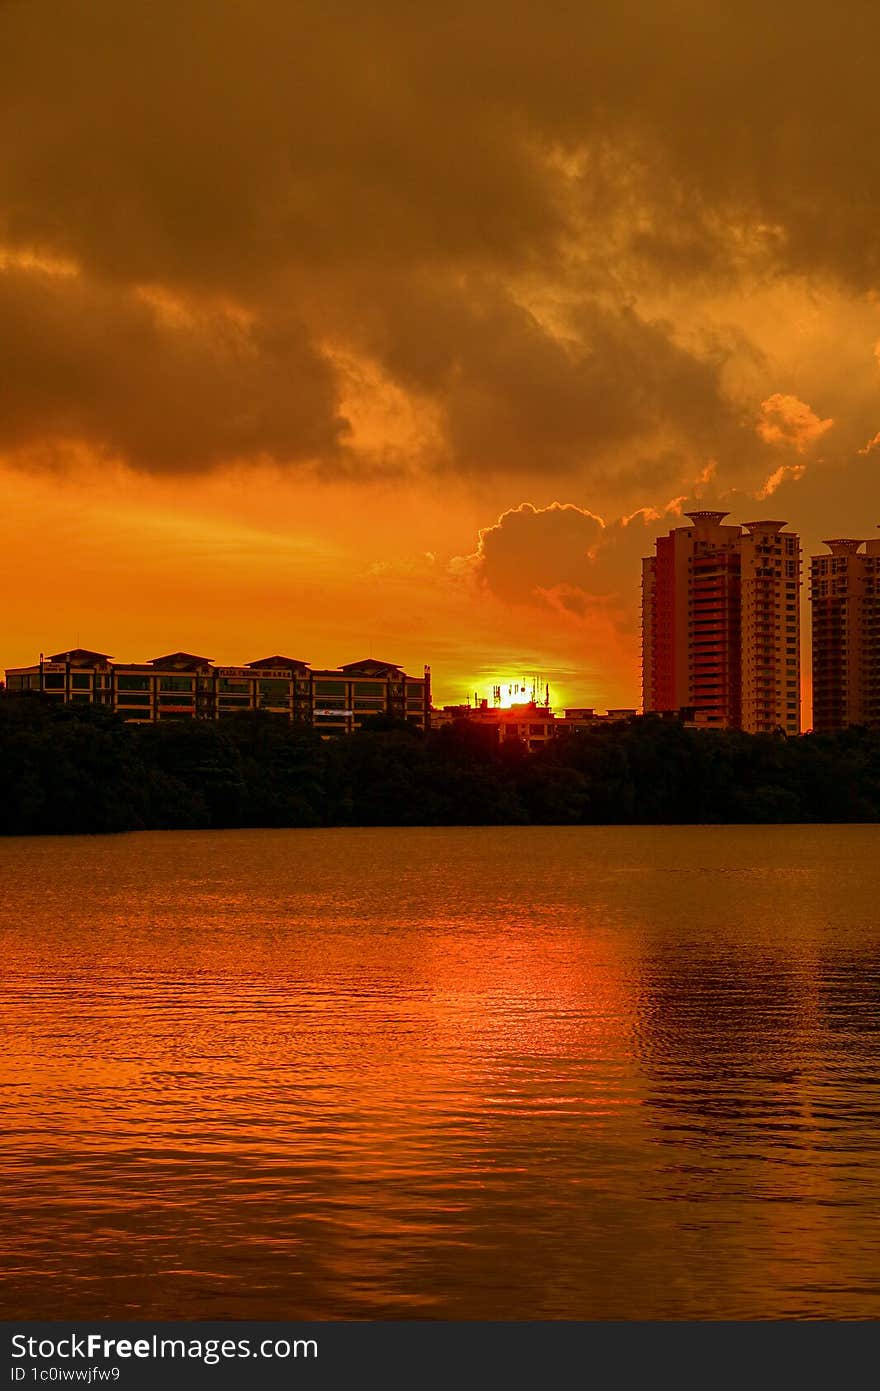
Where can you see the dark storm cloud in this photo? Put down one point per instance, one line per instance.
(518, 397)
(140, 381)
(381, 179)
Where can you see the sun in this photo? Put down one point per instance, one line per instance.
(504, 695)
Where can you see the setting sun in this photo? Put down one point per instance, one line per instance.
(503, 695)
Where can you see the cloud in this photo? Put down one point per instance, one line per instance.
(872, 444)
(532, 552)
(787, 421)
(785, 473)
(521, 225)
(563, 559)
(518, 396)
(164, 387)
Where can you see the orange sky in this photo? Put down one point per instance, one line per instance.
(331, 329)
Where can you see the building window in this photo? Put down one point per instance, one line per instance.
(124, 698)
(274, 692)
(329, 688)
(178, 699)
(53, 681)
(364, 688)
(175, 683)
(133, 683)
(225, 686)
(81, 682)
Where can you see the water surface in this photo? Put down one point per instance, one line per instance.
(442, 1073)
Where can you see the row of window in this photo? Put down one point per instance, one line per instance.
(145, 713)
(142, 696)
(370, 692)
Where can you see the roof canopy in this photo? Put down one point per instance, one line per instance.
(370, 666)
(184, 661)
(79, 656)
(707, 516)
(844, 545)
(292, 663)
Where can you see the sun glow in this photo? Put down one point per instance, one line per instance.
(525, 691)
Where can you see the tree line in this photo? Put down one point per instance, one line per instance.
(81, 768)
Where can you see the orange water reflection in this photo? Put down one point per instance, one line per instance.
(509, 1073)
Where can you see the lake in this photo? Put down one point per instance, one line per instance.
(527, 1072)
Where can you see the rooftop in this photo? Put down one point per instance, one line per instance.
(180, 659)
(844, 545)
(707, 516)
(278, 662)
(79, 656)
(370, 664)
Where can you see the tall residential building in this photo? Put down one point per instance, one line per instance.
(721, 625)
(183, 686)
(845, 598)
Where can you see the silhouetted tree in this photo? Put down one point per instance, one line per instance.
(81, 768)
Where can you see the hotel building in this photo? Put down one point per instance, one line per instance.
(183, 686)
(845, 602)
(721, 624)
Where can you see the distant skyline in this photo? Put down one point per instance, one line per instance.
(516, 684)
(343, 326)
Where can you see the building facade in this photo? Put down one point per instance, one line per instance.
(845, 605)
(184, 686)
(721, 624)
(528, 723)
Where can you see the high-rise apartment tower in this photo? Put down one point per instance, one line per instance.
(845, 600)
(720, 624)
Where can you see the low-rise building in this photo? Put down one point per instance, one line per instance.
(185, 686)
(585, 717)
(530, 723)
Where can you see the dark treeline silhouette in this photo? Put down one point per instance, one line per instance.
(68, 768)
